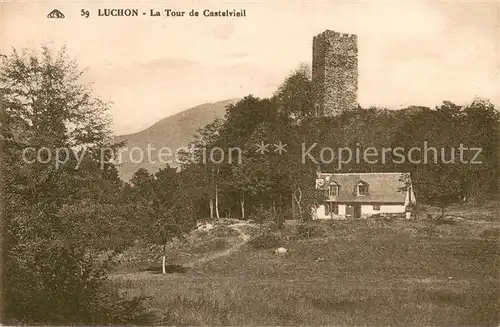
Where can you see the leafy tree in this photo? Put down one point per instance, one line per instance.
(51, 275)
(166, 207)
(295, 97)
(199, 160)
(440, 185)
(278, 183)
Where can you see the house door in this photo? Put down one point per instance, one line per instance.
(357, 211)
(349, 210)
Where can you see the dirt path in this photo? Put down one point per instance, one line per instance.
(244, 239)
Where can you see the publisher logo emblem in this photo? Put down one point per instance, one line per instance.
(55, 14)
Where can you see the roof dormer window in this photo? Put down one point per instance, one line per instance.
(333, 189)
(362, 188)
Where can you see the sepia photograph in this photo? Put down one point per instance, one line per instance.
(250, 163)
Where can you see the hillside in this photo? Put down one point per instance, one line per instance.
(174, 132)
(357, 272)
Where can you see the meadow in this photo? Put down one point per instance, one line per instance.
(362, 272)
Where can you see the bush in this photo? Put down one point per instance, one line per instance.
(208, 246)
(223, 231)
(250, 230)
(261, 215)
(279, 221)
(491, 234)
(273, 227)
(309, 230)
(388, 217)
(340, 224)
(50, 282)
(225, 221)
(445, 221)
(266, 241)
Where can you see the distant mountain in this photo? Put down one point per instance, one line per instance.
(172, 132)
(413, 110)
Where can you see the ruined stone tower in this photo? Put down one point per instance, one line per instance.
(335, 72)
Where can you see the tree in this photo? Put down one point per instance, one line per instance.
(204, 142)
(166, 208)
(295, 97)
(274, 183)
(51, 275)
(440, 185)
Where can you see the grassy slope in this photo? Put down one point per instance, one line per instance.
(396, 273)
(488, 211)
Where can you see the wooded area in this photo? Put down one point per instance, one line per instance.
(56, 222)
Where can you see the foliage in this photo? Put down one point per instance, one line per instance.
(56, 217)
(491, 234)
(261, 215)
(266, 241)
(283, 183)
(70, 287)
(51, 208)
(295, 96)
(325, 281)
(310, 230)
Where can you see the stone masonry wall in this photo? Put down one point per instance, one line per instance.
(335, 72)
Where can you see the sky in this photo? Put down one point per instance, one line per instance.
(410, 53)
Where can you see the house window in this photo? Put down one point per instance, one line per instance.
(376, 207)
(331, 207)
(362, 188)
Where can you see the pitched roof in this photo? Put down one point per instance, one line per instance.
(382, 187)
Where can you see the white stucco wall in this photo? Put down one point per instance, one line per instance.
(366, 210)
(320, 213)
(410, 197)
(390, 208)
(342, 209)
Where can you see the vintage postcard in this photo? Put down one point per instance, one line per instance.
(250, 163)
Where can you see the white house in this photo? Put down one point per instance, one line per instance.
(359, 195)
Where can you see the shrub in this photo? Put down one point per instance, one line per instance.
(279, 220)
(208, 246)
(250, 230)
(383, 217)
(261, 215)
(491, 234)
(340, 224)
(273, 227)
(445, 221)
(223, 231)
(266, 241)
(53, 283)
